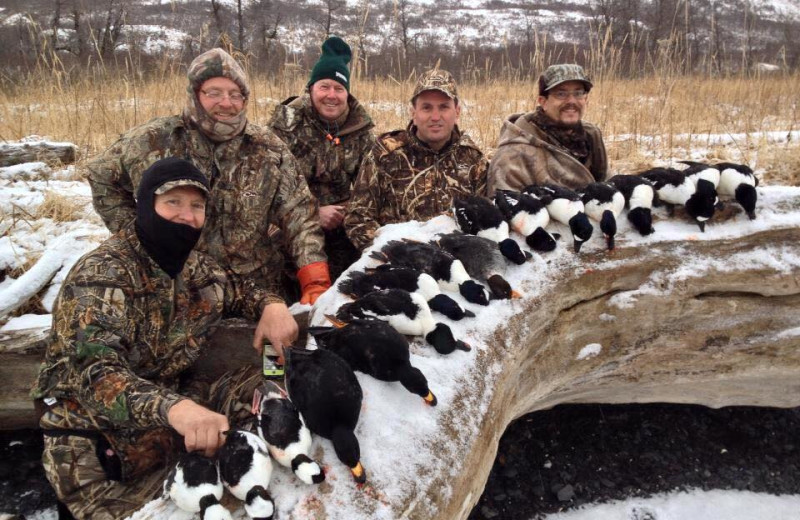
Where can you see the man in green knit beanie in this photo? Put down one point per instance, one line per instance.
(329, 132)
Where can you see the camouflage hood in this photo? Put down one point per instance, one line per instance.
(212, 64)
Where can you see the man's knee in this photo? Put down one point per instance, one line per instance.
(73, 468)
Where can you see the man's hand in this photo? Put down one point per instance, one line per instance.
(276, 325)
(200, 427)
(331, 217)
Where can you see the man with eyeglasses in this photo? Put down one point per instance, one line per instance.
(258, 203)
(329, 132)
(551, 145)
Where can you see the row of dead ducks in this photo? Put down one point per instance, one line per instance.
(698, 188)
(396, 300)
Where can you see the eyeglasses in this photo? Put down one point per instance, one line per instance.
(563, 95)
(217, 96)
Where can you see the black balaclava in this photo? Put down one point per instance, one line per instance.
(167, 243)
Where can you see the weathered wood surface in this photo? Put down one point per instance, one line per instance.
(18, 153)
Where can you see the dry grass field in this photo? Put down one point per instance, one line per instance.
(661, 117)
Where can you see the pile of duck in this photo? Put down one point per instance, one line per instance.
(403, 300)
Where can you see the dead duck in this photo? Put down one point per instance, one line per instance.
(407, 312)
(480, 217)
(446, 269)
(639, 196)
(288, 439)
(326, 392)
(481, 259)
(388, 276)
(375, 348)
(246, 469)
(565, 206)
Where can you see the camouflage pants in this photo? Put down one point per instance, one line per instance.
(80, 479)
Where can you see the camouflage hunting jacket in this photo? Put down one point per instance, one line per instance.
(329, 168)
(403, 179)
(527, 155)
(123, 331)
(255, 191)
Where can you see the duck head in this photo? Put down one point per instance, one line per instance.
(474, 292)
(441, 338)
(581, 229)
(540, 240)
(642, 220)
(608, 225)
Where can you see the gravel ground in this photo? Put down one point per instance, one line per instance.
(561, 458)
(558, 459)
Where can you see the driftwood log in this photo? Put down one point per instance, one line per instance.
(18, 153)
(712, 322)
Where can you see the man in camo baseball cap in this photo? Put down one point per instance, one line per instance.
(436, 79)
(552, 144)
(555, 75)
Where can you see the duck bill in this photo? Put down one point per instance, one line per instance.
(577, 245)
(336, 322)
(610, 242)
(702, 225)
(359, 475)
(515, 295)
(430, 399)
(461, 345)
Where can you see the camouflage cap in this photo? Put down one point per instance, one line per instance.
(555, 75)
(436, 79)
(181, 182)
(213, 64)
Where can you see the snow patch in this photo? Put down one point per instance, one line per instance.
(28, 321)
(589, 351)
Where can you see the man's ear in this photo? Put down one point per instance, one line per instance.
(458, 110)
(411, 111)
(541, 100)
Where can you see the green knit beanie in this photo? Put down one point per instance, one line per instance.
(333, 63)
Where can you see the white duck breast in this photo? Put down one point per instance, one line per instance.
(458, 275)
(679, 194)
(525, 223)
(498, 234)
(730, 179)
(594, 208)
(710, 174)
(562, 210)
(421, 325)
(427, 286)
(642, 197)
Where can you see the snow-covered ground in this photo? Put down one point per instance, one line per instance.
(399, 437)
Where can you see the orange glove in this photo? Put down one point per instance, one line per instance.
(314, 280)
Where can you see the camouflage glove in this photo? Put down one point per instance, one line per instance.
(314, 280)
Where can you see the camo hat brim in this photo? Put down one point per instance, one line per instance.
(436, 79)
(182, 182)
(555, 75)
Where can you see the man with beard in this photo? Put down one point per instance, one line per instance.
(329, 132)
(415, 173)
(257, 203)
(551, 145)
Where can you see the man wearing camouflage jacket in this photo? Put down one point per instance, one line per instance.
(417, 172)
(256, 192)
(551, 145)
(131, 316)
(329, 132)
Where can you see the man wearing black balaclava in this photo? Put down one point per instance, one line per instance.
(132, 315)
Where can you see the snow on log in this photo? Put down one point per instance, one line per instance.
(32, 150)
(64, 251)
